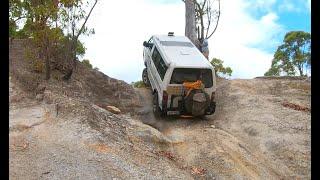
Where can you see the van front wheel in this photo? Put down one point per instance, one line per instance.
(145, 78)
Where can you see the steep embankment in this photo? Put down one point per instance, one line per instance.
(59, 130)
(261, 130)
(86, 84)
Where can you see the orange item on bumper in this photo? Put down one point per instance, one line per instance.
(193, 85)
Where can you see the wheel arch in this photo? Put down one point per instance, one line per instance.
(154, 91)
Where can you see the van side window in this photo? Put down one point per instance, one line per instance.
(159, 63)
(151, 42)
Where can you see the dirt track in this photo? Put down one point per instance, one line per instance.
(251, 136)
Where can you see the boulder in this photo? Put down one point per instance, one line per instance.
(113, 109)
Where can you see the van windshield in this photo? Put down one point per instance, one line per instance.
(181, 75)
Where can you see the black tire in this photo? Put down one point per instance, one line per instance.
(145, 78)
(155, 106)
(213, 107)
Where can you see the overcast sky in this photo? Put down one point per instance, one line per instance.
(249, 32)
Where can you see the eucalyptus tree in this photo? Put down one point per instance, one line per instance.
(202, 19)
(54, 27)
(293, 56)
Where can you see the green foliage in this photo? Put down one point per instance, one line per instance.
(15, 13)
(138, 84)
(87, 63)
(219, 68)
(80, 49)
(12, 28)
(54, 25)
(294, 54)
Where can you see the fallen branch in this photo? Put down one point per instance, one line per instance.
(295, 107)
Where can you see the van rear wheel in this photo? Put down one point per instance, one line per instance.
(145, 78)
(155, 105)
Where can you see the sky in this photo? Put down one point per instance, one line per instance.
(248, 34)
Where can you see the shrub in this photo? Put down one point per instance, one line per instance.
(138, 84)
(87, 63)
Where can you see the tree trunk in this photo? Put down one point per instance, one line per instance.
(201, 38)
(190, 29)
(300, 69)
(75, 41)
(47, 59)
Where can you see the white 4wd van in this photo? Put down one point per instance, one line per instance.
(171, 63)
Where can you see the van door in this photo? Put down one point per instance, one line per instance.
(147, 51)
(147, 55)
(158, 69)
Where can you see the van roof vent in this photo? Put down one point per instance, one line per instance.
(171, 34)
(184, 53)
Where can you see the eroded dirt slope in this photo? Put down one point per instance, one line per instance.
(84, 142)
(252, 134)
(61, 130)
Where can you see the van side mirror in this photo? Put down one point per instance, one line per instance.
(145, 43)
(149, 45)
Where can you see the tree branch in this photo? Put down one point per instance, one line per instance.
(204, 3)
(83, 25)
(19, 18)
(217, 22)
(209, 19)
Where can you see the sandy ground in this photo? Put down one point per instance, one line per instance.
(251, 136)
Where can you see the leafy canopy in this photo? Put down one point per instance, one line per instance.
(293, 56)
(219, 68)
(54, 27)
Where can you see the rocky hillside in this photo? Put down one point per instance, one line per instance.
(62, 130)
(86, 84)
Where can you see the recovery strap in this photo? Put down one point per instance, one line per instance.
(193, 85)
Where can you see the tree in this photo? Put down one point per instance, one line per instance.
(219, 68)
(38, 15)
(74, 14)
(87, 63)
(190, 28)
(293, 56)
(201, 21)
(55, 27)
(15, 14)
(138, 84)
(206, 15)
